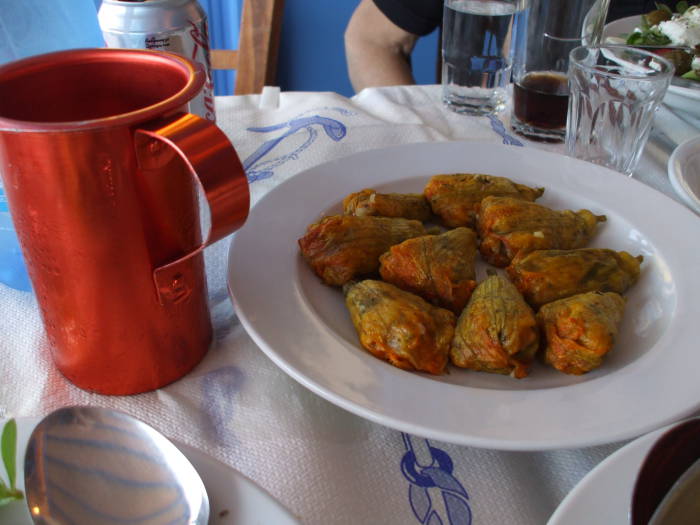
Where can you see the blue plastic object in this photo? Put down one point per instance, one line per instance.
(12, 269)
(27, 28)
(224, 18)
(32, 27)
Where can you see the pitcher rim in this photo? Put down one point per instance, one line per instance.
(195, 82)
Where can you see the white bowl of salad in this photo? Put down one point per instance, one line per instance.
(675, 35)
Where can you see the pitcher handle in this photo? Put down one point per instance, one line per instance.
(216, 169)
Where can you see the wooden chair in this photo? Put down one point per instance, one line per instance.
(255, 60)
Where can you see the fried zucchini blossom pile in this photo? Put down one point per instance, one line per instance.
(407, 266)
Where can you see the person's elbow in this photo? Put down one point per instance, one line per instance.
(352, 37)
(358, 40)
(376, 50)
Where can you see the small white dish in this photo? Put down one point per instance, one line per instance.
(233, 498)
(684, 172)
(604, 495)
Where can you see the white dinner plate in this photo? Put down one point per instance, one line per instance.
(684, 172)
(648, 380)
(233, 498)
(604, 495)
(679, 97)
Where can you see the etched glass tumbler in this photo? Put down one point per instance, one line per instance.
(614, 92)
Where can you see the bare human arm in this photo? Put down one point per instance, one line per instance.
(377, 51)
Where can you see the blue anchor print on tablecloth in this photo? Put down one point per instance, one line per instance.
(499, 128)
(219, 389)
(257, 169)
(429, 471)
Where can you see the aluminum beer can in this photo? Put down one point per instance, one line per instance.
(177, 26)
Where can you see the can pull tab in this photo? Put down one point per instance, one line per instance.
(216, 169)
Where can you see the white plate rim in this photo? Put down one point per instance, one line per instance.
(622, 465)
(491, 433)
(605, 492)
(675, 171)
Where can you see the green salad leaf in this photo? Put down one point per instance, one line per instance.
(8, 451)
(649, 33)
(648, 37)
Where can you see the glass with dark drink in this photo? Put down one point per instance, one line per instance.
(540, 103)
(546, 36)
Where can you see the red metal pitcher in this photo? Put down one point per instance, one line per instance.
(101, 162)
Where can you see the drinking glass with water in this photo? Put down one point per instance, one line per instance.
(478, 43)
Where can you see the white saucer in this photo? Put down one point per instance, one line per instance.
(605, 493)
(684, 172)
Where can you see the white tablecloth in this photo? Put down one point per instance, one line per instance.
(325, 464)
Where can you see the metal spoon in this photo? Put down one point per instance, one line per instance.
(88, 465)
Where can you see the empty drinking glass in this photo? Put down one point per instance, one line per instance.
(614, 93)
